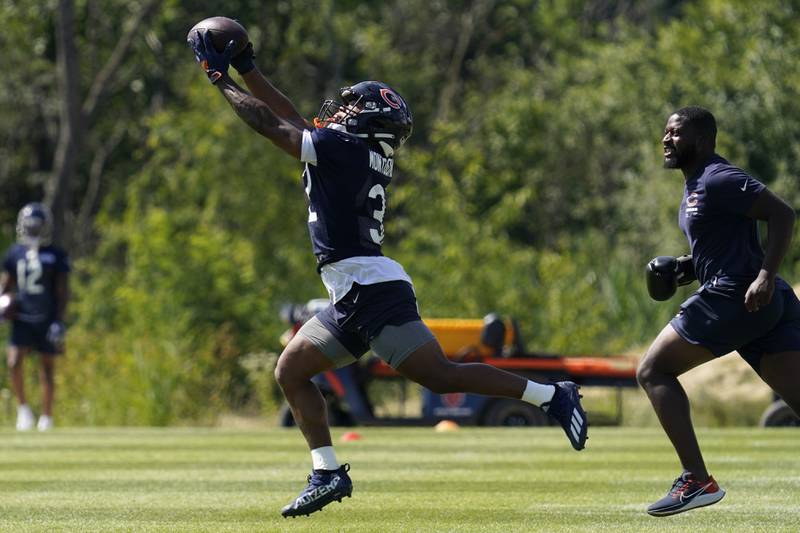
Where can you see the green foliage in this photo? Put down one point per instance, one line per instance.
(532, 185)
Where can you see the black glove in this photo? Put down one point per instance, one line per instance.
(665, 273)
(662, 282)
(685, 270)
(214, 63)
(243, 61)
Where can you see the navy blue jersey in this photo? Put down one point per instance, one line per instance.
(36, 273)
(346, 191)
(724, 241)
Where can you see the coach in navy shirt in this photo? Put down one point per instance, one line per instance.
(742, 304)
(348, 153)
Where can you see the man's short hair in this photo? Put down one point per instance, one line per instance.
(701, 119)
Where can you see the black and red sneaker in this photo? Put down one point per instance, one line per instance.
(687, 493)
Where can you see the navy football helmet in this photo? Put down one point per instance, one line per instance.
(371, 110)
(34, 225)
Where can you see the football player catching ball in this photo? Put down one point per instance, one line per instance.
(348, 155)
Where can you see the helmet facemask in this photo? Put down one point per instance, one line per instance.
(34, 228)
(347, 109)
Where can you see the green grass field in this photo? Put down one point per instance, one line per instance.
(405, 480)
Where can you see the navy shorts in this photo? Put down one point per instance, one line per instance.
(720, 322)
(33, 336)
(362, 313)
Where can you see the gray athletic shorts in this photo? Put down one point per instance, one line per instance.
(393, 344)
(382, 317)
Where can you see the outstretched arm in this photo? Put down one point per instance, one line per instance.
(262, 88)
(285, 134)
(780, 219)
(284, 129)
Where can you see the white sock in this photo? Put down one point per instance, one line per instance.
(538, 393)
(324, 458)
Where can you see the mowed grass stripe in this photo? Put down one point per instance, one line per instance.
(406, 479)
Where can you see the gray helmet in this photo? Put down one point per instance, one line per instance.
(34, 225)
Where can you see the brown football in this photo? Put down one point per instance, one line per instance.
(223, 30)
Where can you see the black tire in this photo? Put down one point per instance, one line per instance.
(336, 417)
(339, 418)
(285, 418)
(514, 413)
(779, 414)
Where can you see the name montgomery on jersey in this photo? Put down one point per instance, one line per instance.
(381, 164)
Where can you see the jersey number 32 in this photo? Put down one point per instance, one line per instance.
(377, 191)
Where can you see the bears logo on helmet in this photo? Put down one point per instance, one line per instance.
(391, 98)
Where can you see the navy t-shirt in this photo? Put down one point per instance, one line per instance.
(346, 191)
(36, 273)
(724, 241)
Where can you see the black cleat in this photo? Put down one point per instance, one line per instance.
(321, 490)
(687, 493)
(565, 407)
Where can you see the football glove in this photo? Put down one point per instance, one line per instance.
(243, 61)
(214, 63)
(665, 273)
(56, 333)
(685, 270)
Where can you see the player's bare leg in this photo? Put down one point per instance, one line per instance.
(47, 379)
(781, 371)
(668, 357)
(298, 363)
(16, 358)
(429, 367)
